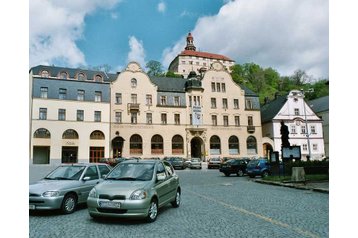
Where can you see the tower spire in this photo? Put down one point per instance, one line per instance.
(190, 43)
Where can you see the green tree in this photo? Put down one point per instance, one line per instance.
(155, 68)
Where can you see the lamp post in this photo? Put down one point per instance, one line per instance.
(307, 134)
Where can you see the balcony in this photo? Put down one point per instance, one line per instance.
(133, 107)
(250, 129)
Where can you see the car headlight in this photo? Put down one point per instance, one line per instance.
(51, 194)
(138, 194)
(93, 193)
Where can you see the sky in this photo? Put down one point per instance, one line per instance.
(283, 34)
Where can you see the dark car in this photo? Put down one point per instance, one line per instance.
(259, 167)
(176, 162)
(214, 163)
(234, 166)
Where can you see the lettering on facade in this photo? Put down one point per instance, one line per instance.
(70, 143)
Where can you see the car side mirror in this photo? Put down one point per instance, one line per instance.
(86, 178)
(161, 177)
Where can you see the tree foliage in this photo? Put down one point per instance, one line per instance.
(155, 68)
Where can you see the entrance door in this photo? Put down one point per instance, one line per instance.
(41, 155)
(196, 149)
(96, 153)
(69, 154)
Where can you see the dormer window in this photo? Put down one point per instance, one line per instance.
(98, 78)
(134, 83)
(44, 74)
(81, 76)
(63, 75)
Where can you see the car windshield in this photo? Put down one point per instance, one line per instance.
(132, 172)
(66, 173)
(253, 163)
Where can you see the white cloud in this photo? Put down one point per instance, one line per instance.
(283, 34)
(136, 52)
(56, 25)
(161, 7)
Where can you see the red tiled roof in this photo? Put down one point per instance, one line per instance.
(204, 55)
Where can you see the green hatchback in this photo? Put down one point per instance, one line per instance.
(135, 189)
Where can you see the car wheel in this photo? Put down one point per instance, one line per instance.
(252, 176)
(176, 202)
(153, 211)
(240, 173)
(69, 204)
(265, 174)
(227, 174)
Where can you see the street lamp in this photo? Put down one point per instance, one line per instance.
(307, 134)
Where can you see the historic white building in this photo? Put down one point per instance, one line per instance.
(305, 127)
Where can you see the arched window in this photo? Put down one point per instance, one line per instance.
(42, 133)
(98, 78)
(177, 145)
(134, 83)
(157, 144)
(63, 75)
(135, 144)
(251, 145)
(70, 134)
(215, 148)
(234, 148)
(44, 74)
(81, 76)
(97, 135)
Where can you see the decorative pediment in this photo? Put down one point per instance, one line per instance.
(134, 67)
(217, 66)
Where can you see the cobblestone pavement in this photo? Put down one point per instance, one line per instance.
(212, 206)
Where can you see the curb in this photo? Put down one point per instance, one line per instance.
(302, 187)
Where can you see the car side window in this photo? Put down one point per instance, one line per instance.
(168, 168)
(91, 172)
(104, 170)
(161, 170)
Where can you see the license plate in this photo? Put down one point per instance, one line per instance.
(109, 204)
(32, 207)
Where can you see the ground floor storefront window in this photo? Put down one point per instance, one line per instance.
(96, 153)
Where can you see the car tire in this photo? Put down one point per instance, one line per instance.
(252, 176)
(265, 174)
(240, 173)
(227, 174)
(69, 204)
(153, 211)
(177, 199)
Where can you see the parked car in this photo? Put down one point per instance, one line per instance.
(234, 166)
(214, 163)
(176, 162)
(66, 186)
(135, 189)
(259, 167)
(195, 163)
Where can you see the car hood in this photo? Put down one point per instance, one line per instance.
(52, 185)
(112, 187)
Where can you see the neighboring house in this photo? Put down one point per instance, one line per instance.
(192, 60)
(305, 127)
(321, 107)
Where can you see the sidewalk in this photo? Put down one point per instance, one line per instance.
(317, 186)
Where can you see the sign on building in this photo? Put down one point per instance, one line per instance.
(197, 120)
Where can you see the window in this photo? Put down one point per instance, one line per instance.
(218, 87)
(81, 76)
(135, 144)
(62, 93)
(233, 145)
(98, 78)
(134, 117)
(63, 75)
(97, 135)
(80, 115)
(226, 121)
(236, 103)
(157, 144)
(190, 101)
(177, 119)
(303, 129)
(133, 83)
(313, 130)
(293, 129)
(44, 74)
(118, 98)
(177, 145)
(118, 117)
(250, 121)
(80, 95)
(223, 88)
(213, 102)
(249, 104)
(61, 114)
(42, 133)
(224, 103)
(251, 145)
(163, 100)
(176, 101)
(43, 92)
(214, 120)
(191, 119)
(149, 118)
(148, 99)
(304, 147)
(215, 147)
(97, 96)
(190, 62)
(134, 98)
(104, 170)
(92, 173)
(70, 134)
(43, 114)
(164, 118)
(297, 111)
(97, 116)
(315, 147)
(213, 89)
(237, 121)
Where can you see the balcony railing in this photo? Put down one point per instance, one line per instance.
(250, 129)
(133, 106)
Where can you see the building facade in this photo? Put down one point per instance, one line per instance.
(305, 127)
(79, 115)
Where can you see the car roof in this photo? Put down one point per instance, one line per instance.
(150, 161)
(82, 164)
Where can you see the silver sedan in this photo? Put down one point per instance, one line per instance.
(195, 163)
(66, 186)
